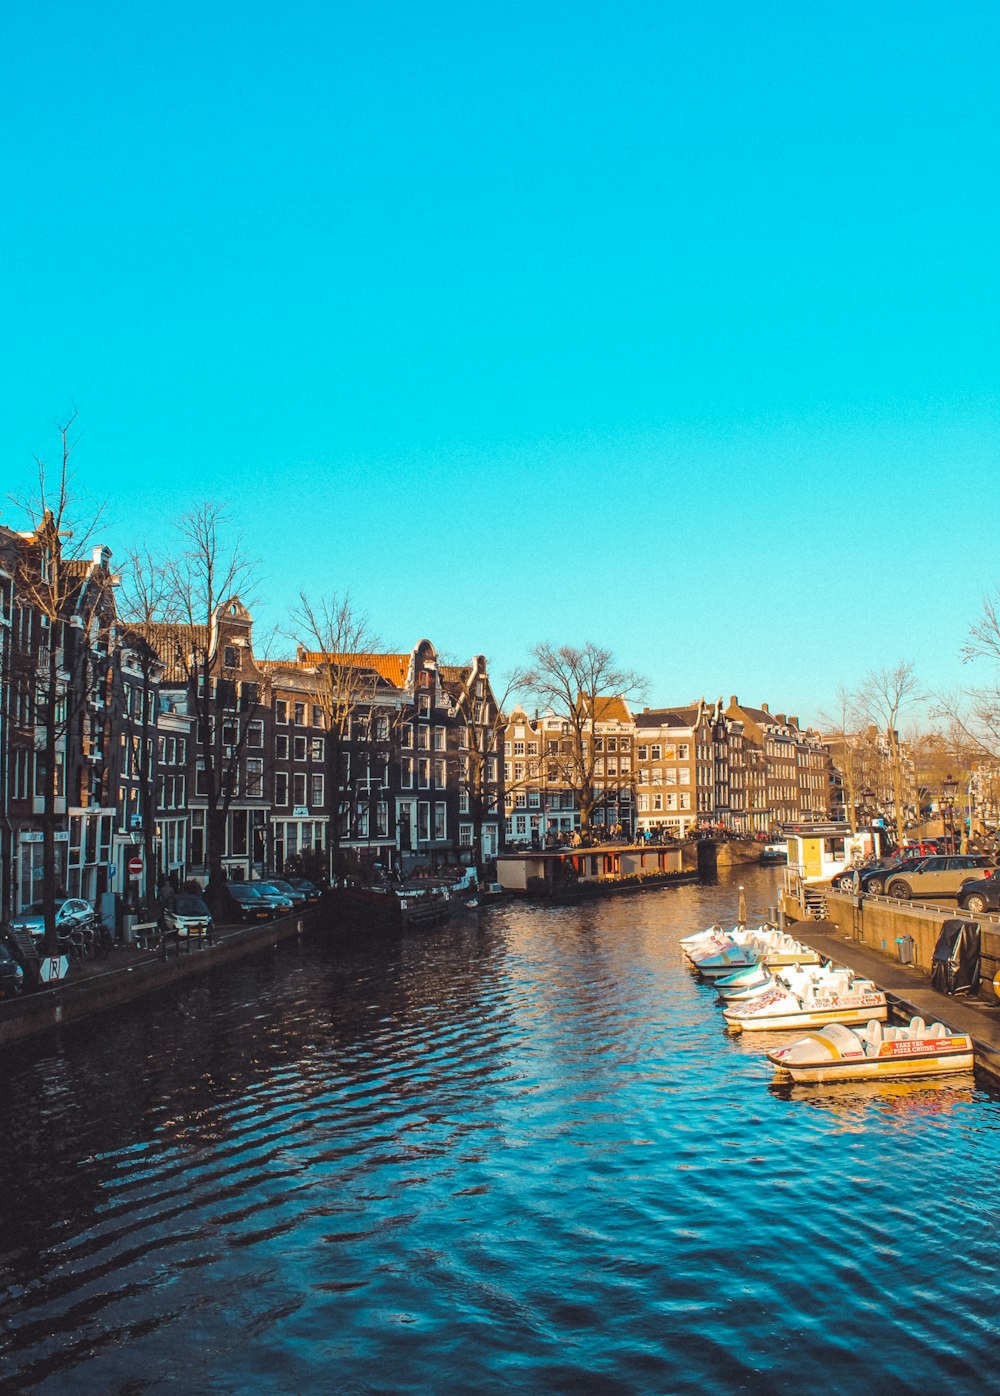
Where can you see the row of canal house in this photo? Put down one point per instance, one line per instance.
(159, 731)
(666, 770)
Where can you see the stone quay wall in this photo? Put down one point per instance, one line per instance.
(880, 922)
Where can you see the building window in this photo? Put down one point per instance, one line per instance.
(255, 734)
(465, 836)
(281, 747)
(440, 820)
(255, 777)
(298, 789)
(280, 710)
(406, 773)
(231, 657)
(424, 774)
(281, 788)
(423, 820)
(299, 748)
(317, 746)
(423, 739)
(440, 779)
(406, 738)
(317, 792)
(300, 714)
(317, 715)
(439, 739)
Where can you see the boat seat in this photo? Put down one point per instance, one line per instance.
(937, 1030)
(873, 1032)
(917, 1028)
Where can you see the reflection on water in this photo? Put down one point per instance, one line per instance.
(516, 1153)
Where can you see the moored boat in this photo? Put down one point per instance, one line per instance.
(839, 1000)
(839, 1053)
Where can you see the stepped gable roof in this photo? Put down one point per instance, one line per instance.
(173, 643)
(391, 667)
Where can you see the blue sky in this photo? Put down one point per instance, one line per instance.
(668, 326)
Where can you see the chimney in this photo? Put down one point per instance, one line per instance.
(734, 702)
(764, 708)
(793, 722)
(781, 718)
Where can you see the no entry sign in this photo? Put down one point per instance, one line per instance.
(135, 866)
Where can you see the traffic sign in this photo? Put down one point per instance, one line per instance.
(135, 866)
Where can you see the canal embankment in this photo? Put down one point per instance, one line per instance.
(868, 934)
(129, 974)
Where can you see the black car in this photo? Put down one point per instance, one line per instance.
(979, 896)
(244, 903)
(11, 974)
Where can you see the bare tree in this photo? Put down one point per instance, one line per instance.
(844, 727)
(73, 604)
(578, 684)
(212, 569)
(336, 637)
(144, 599)
(483, 723)
(886, 694)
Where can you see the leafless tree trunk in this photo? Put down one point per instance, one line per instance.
(144, 598)
(47, 582)
(210, 569)
(887, 694)
(336, 637)
(575, 683)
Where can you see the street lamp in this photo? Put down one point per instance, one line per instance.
(948, 787)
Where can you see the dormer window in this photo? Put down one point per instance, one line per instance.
(231, 657)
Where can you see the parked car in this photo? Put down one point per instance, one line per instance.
(941, 877)
(874, 877)
(313, 894)
(244, 903)
(287, 889)
(982, 895)
(11, 975)
(188, 915)
(70, 913)
(277, 901)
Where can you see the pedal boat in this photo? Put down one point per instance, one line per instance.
(748, 984)
(839, 1053)
(839, 1000)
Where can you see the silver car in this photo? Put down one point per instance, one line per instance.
(70, 912)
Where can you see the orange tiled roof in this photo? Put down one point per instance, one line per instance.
(391, 667)
(611, 710)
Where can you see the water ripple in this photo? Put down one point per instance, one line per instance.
(518, 1154)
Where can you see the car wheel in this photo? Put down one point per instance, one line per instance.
(975, 902)
(875, 884)
(900, 889)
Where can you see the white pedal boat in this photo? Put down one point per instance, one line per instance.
(748, 984)
(837, 1000)
(785, 950)
(839, 1053)
(773, 949)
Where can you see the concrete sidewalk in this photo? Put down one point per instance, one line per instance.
(909, 992)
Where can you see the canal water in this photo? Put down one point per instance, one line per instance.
(518, 1153)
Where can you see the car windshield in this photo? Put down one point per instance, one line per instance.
(190, 906)
(282, 886)
(270, 890)
(245, 894)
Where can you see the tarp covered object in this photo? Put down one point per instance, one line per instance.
(955, 964)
